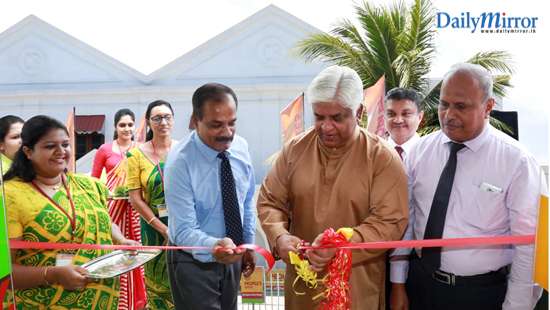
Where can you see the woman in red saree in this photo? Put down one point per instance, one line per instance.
(112, 157)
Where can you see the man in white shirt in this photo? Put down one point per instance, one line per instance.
(402, 115)
(468, 180)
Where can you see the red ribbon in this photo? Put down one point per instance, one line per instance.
(447, 243)
(452, 242)
(337, 292)
(20, 244)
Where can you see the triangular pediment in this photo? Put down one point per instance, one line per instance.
(35, 52)
(260, 48)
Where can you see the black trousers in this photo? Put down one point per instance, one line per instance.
(202, 286)
(388, 282)
(426, 293)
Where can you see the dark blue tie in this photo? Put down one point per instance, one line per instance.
(232, 215)
(436, 220)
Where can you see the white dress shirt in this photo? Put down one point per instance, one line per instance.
(496, 191)
(405, 146)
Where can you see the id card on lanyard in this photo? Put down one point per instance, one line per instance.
(62, 259)
(163, 211)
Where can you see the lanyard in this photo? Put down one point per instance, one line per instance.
(72, 219)
(161, 173)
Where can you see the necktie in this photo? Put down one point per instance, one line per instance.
(232, 215)
(436, 220)
(400, 151)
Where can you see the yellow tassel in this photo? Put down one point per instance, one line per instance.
(346, 232)
(303, 270)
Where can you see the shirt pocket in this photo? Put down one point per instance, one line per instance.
(488, 210)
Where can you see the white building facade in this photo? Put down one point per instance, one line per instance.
(45, 71)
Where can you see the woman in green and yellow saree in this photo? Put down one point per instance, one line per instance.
(45, 204)
(145, 182)
(10, 139)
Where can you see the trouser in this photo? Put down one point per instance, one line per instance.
(388, 282)
(202, 286)
(440, 291)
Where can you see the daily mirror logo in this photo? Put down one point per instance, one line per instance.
(487, 22)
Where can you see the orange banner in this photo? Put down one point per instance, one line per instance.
(373, 101)
(139, 137)
(72, 141)
(292, 118)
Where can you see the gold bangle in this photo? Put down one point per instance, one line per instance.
(151, 220)
(45, 275)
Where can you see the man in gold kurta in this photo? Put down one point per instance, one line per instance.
(335, 175)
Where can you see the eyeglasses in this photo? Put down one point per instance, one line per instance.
(157, 119)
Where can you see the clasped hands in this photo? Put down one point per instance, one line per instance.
(318, 259)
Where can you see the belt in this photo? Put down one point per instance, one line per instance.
(492, 277)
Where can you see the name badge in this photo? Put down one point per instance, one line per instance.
(163, 212)
(62, 259)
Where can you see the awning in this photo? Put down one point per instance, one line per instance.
(86, 124)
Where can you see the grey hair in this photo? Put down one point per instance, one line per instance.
(480, 74)
(337, 84)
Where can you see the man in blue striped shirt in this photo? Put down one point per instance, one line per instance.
(209, 188)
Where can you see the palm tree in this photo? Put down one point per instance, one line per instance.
(398, 42)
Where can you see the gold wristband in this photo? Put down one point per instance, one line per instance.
(149, 221)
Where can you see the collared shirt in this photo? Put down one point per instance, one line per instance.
(496, 191)
(193, 193)
(405, 146)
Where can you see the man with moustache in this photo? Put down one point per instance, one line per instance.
(468, 180)
(335, 175)
(209, 188)
(402, 115)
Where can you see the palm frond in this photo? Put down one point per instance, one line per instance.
(380, 40)
(347, 31)
(430, 122)
(416, 47)
(501, 125)
(501, 83)
(414, 67)
(499, 61)
(431, 97)
(328, 48)
(420, 34)
(398, 41)
(397, 16)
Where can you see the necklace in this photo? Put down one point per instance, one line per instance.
(126, 150)
(72, 219)
(54, 187)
